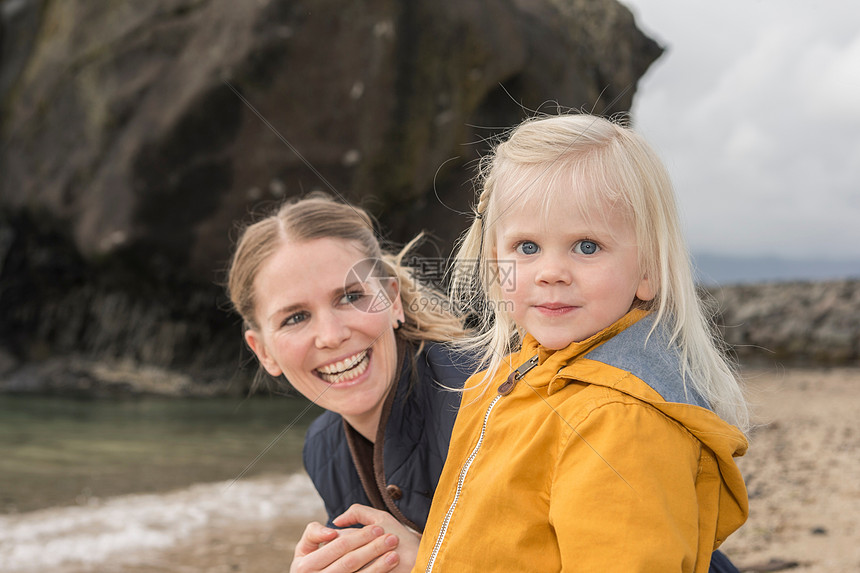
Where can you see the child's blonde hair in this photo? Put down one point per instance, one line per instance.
(612, 166)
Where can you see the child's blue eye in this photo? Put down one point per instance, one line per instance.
(527, 248)
(586, 247)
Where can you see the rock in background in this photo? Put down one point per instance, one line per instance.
(792, 323)
(128, 155)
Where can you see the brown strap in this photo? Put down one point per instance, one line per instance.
(379, 463)
(362, 456)
(369, 460)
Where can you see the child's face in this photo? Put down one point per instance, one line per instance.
(574, 276)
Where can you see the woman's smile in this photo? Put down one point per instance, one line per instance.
(347, 369)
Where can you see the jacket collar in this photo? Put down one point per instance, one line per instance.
(552, 362)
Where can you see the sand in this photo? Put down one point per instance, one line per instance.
(802, 472)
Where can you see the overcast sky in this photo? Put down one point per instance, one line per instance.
(755, 106)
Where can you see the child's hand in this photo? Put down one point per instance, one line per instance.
(345, 550)
(402, 556)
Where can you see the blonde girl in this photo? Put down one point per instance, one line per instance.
(602, 433)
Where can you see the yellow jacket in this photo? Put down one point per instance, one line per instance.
(584, 466)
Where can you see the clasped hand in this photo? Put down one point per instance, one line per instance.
(383, 544)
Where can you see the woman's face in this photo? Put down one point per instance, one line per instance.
(328, 329)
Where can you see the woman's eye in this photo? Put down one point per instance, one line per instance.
(295, 318)
(586, 248)
(527, 248)
(352, 297)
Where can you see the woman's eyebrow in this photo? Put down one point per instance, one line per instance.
(285, 310)
(348, 286)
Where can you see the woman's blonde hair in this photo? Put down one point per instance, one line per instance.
(318, 216)
(612, 165)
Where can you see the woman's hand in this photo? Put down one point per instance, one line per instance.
(403, 555)
(369, 549)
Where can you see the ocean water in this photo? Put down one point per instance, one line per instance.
(87, 481)
(109, 534)
(58, 451)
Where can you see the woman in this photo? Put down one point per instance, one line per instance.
(348, 326)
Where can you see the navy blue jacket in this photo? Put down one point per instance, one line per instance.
(399, 472)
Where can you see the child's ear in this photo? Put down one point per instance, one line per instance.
(256, 344)
(645, 291)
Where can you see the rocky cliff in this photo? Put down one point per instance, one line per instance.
(136, 134)
(792, 323)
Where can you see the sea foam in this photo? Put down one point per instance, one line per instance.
(121, 527)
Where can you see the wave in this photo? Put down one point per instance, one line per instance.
(118, 529)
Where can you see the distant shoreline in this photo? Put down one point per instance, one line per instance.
(719, 270)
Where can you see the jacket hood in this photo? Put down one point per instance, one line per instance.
(632, 357)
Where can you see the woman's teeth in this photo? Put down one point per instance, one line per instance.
(343, 370)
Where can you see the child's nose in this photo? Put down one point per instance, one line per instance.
(331, 331)
(554, 270)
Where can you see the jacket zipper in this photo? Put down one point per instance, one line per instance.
(444, 529)
(507, 386)
(503, 390)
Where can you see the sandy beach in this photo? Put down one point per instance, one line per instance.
(802, 472)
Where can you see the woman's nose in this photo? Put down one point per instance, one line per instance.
(553, 269)
(331, 332)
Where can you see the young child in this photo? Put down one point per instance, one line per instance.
(601, 435)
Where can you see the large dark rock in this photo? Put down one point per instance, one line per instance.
(135, 135)
(73, 326)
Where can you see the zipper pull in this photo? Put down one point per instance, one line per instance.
(507, 386)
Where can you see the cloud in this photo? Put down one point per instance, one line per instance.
(754, 110)
(829, 81)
